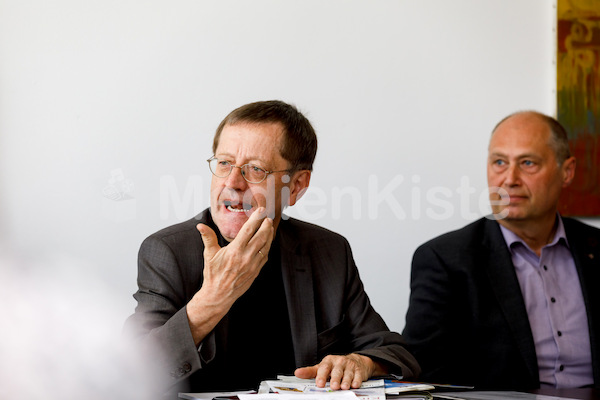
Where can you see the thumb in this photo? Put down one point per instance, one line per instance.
(209, 238)
(306, 372)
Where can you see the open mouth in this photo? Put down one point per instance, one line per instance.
(234, 206)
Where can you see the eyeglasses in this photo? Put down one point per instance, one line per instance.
(250, 172)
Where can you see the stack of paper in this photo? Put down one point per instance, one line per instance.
(292, 388)
(373, 389)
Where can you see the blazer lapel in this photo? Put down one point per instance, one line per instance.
(505, 284)
(297, 280)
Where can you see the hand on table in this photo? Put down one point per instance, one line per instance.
(343, 372)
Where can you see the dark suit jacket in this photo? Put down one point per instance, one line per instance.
(329, 310)
(467, 322)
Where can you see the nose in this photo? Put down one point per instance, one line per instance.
(512, 177)
(236, 180)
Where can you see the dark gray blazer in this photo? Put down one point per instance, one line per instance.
(329, 310)
(467, 322)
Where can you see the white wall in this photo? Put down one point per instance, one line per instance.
(403, 95)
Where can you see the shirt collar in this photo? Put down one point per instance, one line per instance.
(512, 238)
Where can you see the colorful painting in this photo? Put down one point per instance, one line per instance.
(578, 100)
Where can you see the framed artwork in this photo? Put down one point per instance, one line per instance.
(578, 100)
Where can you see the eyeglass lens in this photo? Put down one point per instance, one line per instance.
(250, 172)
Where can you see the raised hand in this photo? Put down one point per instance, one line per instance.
(229, 271)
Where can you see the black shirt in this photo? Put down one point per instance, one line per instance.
(257, 344)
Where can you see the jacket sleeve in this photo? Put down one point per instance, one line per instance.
(429, 320)
(160, 325)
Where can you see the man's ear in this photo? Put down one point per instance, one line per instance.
(298, 185)
(568, 171)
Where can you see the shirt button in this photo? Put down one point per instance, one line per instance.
(562, 367)
(545, 268)
(560, 334)
(553, 300)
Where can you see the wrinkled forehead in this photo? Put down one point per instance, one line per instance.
(251, 142)
(526, 132)
(274, 130)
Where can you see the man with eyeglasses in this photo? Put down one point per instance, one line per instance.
(238, 294)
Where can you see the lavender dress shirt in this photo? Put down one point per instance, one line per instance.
(556, 310)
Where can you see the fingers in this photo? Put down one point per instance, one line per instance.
(356, 382)
(262, 239)
(319, 372)
(250, 227)
(256, 234)
(306, 372)
(209, 238)
(231, 270)
(343, 372)
(327, 370)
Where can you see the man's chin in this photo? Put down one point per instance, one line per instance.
(229, 233)
(511, 216)
(508, 212)
(229, 225)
